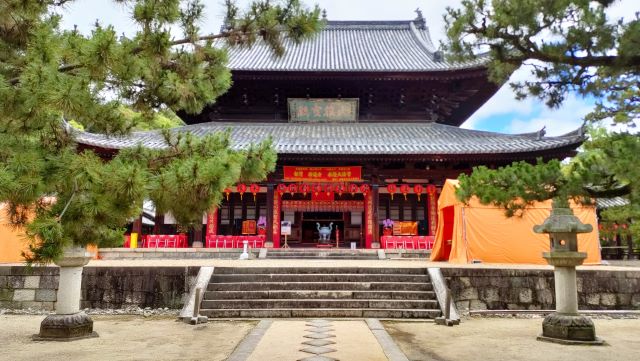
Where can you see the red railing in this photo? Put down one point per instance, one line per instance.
(219, 241)
(159, 241)
(407, 242)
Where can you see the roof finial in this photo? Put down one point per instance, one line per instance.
(324, 14)
(540, 133)
(420, 22)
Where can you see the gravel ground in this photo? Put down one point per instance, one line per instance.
(508, 338)
(125, 338)
(137, 311)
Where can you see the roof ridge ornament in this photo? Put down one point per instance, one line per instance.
(540, 133)
(420, 22)
(324, 14)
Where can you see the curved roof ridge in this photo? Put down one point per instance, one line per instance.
(362, 138)
(427, 46)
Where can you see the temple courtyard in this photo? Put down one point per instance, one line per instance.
(164, 338)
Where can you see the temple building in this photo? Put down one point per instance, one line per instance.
(365, 120)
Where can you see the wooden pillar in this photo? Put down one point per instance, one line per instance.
(197, 234)
(137, 227)
(375, 198)
(158, 222)
(269, 211)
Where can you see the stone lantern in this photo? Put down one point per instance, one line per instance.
(565, 325)
(68, 323)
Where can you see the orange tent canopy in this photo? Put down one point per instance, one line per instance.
(484, 233)
(12, 241)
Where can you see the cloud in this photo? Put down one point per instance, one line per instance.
(557, 121)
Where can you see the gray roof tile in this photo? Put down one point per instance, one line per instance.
(356, 46)
(352, 138)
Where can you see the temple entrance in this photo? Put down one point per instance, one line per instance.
(331, 224)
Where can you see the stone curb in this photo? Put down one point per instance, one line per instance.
(248, 344)
(389, 346)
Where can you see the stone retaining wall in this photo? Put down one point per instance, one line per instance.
(102, 287)
(505, 289)
(472, 288)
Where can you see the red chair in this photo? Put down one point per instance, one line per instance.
(172, 242)
(151, 241)
(423, 243)
(409, 243)
(392, 242)
(227, 242)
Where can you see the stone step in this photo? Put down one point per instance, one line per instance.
(319, 277)
(317, 270)
(340, 286)
(321, 312)
(319, 294)
(318, 303)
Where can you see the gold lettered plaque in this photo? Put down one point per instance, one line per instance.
(323, 110)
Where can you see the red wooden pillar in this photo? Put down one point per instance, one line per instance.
(375, 201)
(269, 214)
(368, 219)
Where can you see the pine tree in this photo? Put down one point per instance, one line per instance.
(569, 47)
(49, 74)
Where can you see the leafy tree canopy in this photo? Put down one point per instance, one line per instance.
(570, 46)
(48, 74)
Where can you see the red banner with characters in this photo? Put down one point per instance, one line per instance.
(368, 220)
(277, 206)
(322, 174)
(433, 213)
(212, 222)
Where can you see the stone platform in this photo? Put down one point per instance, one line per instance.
(268, 253)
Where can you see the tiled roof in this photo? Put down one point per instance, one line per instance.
(353, 138)
(603, 203)
(355, 46)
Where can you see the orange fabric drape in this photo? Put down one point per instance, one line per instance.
(12, 241)
(482, 232)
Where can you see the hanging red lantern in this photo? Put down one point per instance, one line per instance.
(282, 188)
(316, 189)
(293, 188)
(365, 188)
(254, 188)
(328, 189)
(431, 189)
(353, 188)
(305, 188)
(392, 188)
(404, 189)
(340, 188)
(418, 189)
(227, 192)
(241, 188)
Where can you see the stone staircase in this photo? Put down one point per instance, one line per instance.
(264, 292)
(312, 253)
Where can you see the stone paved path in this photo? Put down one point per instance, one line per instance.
(318, 340)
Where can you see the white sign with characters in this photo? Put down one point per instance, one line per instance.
(285, 228)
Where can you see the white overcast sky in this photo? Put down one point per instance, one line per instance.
(502, 113)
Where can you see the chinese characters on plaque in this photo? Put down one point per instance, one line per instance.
(323, 110)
